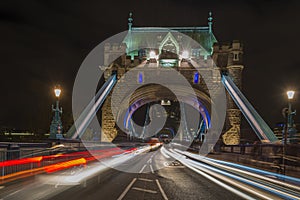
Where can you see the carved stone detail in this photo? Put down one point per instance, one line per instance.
(232, 136)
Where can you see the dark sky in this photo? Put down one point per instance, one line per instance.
(44, 42)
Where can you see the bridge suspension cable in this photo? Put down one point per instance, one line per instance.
(262, 130)
(85, 118)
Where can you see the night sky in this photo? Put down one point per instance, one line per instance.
(44, 42)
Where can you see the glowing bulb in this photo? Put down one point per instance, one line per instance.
(185, 54)
(290, 94)
(57, 92)
(152, 55)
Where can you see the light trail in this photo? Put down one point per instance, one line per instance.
(249, 181)
(21, 161)
(248, 170)
(65, 165)
(73, 159)
(92, 170)
(108, 158)
(211, 178)
(238, 178)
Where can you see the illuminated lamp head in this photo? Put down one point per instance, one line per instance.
(57, 92)
(152, 55)
(185, 54)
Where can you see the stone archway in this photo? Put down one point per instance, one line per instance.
(155, 93)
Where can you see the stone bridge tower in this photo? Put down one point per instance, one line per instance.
(227, 57)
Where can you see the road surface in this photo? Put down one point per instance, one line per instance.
(172, 182)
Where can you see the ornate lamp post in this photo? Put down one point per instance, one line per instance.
(56, 127)
(289, 126)
(290, 130)
(288, 115)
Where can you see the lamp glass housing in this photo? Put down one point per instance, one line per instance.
(152, 55)
(57, 92)
(185, 54)
(290, 94)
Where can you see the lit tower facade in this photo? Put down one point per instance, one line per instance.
(229, 58)
(171, 53)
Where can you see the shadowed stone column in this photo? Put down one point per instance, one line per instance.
(234, 70)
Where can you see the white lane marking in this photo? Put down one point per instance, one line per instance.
(13, 193)
(143, 169)
(144, 190)
(161, 190)
(152, 171)
(145, 179)
(127, 189)
(1, 187)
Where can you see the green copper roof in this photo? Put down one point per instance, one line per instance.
(145, 37)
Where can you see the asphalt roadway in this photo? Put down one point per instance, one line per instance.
(174, 181)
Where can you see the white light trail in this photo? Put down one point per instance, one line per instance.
(267, 188)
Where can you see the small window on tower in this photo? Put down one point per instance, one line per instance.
(235, 56)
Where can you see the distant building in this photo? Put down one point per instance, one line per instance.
(17, 136)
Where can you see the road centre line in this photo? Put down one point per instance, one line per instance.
(152, 171)
(145, 179)
(144, 190)
(161, 190)
(127, 189)
(143, 169)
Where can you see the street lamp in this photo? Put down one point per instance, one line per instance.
(290, 113)
(56, 127)
(288, 125)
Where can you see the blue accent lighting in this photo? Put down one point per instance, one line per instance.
(196, 77)
(140, 77)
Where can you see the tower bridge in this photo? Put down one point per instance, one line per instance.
(172, 77)
(148, 54)
(171, 51)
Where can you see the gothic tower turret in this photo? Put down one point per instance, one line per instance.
(229, 58)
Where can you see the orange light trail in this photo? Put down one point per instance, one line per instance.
(64, 165)
(21, 161)
(82, 159)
